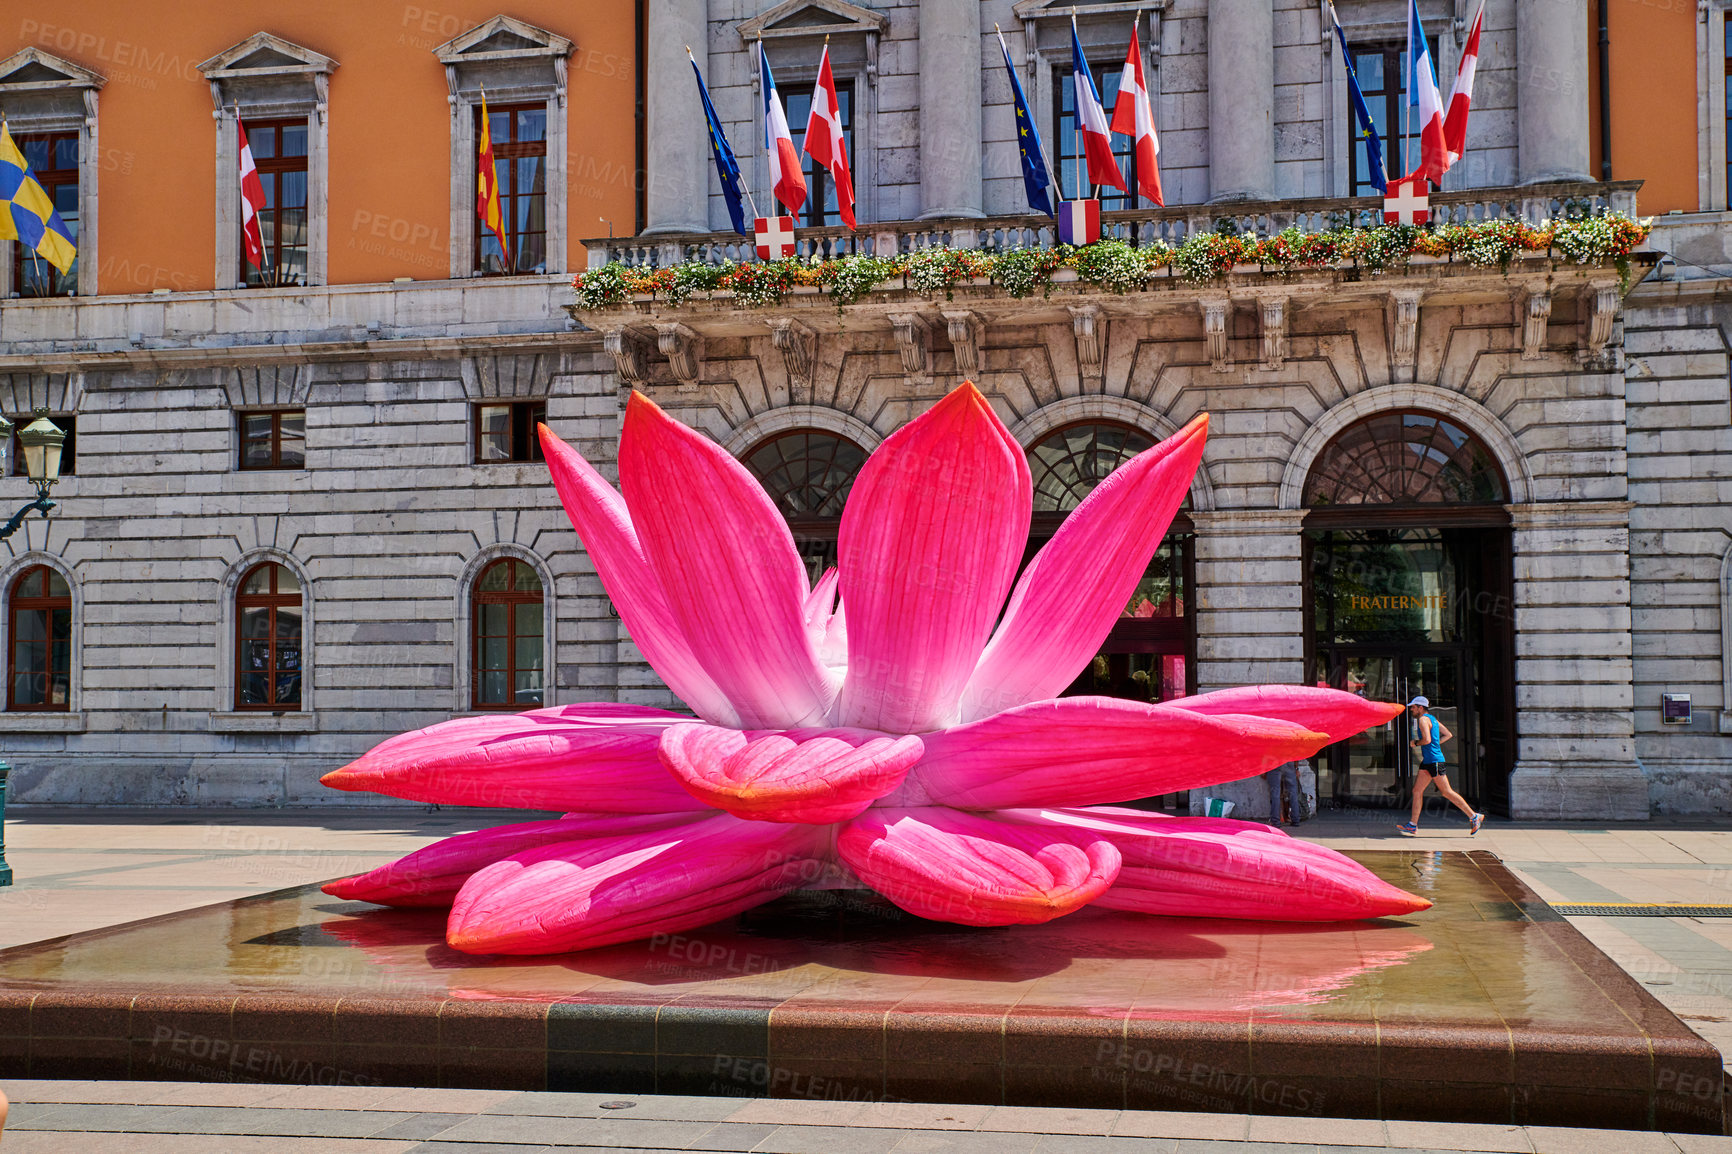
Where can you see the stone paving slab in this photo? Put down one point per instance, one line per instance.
(93, 1118)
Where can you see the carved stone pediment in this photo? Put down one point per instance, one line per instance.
(793, 19)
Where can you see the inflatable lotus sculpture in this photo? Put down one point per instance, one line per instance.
(897, 725)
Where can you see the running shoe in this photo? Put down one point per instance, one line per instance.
(1474, 823)
(1410, 829)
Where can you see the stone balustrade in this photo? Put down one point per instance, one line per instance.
(1532, 203)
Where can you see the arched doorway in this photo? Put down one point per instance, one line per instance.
(808, 473)
(1150, 655)
(1408, 592)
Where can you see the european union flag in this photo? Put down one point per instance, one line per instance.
(727, 168)
(1035, 177)
(26, 214)
(1367, 130)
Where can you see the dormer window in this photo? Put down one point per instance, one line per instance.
(280, 92)
(50, 106)
(522, 69)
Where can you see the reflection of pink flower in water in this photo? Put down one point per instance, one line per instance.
(908, 738)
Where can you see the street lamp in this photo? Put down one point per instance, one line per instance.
(41, 441)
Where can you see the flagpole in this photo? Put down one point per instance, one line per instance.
(1410, 80)
(764, 118)
(742, 185)
(1082, 169)
(1041, 144)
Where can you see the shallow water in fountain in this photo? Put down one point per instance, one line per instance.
(1489, 991)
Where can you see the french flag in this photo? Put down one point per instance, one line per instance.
(1461, 96)
(1091, 121)
(1422, 89)
(1079, 221)
(786, 176)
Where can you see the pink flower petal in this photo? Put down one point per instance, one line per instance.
(734, 582)
(1076, 587)
(798, 775)
(603, 525)
(1089, 750)
(575, 757)
(1191, 867)
(583, 894)
(433, 875)
(930, 540)
(969, 869)
(821, 601)
(1332, 711)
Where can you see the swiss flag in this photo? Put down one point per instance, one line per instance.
(1461, 96)
(1132, 118)
(824, 142)
(774, 236)
(252, 202)
(1407, 200)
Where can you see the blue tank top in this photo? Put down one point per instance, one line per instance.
(1431, 752)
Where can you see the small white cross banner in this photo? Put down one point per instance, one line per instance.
(774, 236)
(1406, 201)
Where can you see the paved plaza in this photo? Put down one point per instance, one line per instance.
(83, 870)
(181, 1118)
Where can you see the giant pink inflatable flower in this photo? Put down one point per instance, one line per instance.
(908, 738)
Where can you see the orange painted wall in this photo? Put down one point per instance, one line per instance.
(1653, 74)
(389, 124)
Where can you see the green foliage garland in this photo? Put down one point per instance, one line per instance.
(1119, 267)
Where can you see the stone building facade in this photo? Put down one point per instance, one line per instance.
(1587, 577)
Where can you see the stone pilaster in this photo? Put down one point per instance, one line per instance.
(677, 140)
(1575, 729)
(1250, 611)
(1241, 100)
(1250, 621)
(950, 109)
(1551, 92)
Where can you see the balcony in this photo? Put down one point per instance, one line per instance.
(645, 313)
(1531, 203)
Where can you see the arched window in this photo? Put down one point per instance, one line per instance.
(268, 639)
(40, 631)
(508, 611)
(1069, 463)
(809, 474)
(1405, 458)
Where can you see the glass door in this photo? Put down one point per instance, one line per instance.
(1367, 769)
(1376, 768)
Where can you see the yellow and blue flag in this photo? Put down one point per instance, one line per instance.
(1367, 129)
(26, 213)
